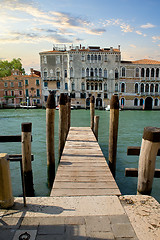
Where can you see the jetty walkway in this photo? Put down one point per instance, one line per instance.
(85, 202)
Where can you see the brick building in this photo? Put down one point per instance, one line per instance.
(17, 89)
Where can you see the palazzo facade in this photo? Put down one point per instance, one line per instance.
(81, 72)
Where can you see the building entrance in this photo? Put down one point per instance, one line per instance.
(148, 103)
(99, 102)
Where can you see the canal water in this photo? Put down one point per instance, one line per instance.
(131, 125)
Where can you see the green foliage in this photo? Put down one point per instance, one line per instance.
(6, 67)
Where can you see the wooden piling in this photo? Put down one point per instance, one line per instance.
(113, 132)
(62, 123)
(92, 101)
(6, 197)
(96, 123)
(50, 115)
(66, 117)
(69, 112)
(26, 158)
(149, 148)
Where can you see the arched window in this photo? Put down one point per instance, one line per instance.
(122, 87)
(123, 72)
(105, 73)
(95, 57)
(73, 86)
(142, 72)
(152, 88)
(136, 88)
(116, 58)
(88, 86)
(87, 72)
(83, 72)
(65, 73)
(142, 87)
(136, 102)
(157, 72)
(105, 58)
(71, 72)
(152, 72)
(66, 86)
(51, 72)
(105, 87)
(83, 57)
(45, 74)
(137, 72)
(92, 57)
(116, 87)
(147, 72)
(147, 87)
(99, 57)
(92, 86)
(70, 57)
(88, 57)
(100, 72)
(91, 72)
(141, 102)
(116, 73)
(156, 88)
(83, 86)
(100, 86)
(58, 74)
(122, 102)
(96, 73)
(96, 86)
(156, 102)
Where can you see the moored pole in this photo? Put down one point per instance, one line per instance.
(50, 115)
(96, 123)
(62, 123)
(69, 112)
(26, 158)
(92, 100)
(113, 132)
(149, 148)
(6, 197)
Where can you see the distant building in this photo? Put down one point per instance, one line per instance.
(81, 72)
(17, 89)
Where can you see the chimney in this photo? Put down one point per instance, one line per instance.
(119, 47)
(31, 71)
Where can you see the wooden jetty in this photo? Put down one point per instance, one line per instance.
(83, 170)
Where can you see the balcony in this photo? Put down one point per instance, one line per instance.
(94, 78)
(52, 78)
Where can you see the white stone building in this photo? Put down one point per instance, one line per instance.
(81, 72)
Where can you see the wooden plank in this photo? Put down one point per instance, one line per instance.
(84, 178)
(135, 151)
(133, 172)
(86, 185)
(11, 138)
(84, 164)
(83, 192)
(17, 157)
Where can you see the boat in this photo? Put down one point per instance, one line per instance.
(72, 107)
(29, 106)
(107, 108)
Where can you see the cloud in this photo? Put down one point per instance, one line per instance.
(139, 33)
(148, 25)
(126, 28)
(132, 45)
(96, 31)
(156, 38)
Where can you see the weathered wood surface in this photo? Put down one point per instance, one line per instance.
(83, 170)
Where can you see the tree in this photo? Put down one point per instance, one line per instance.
(6, 67)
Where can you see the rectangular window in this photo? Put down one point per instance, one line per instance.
(66, 86)
(26, 82)
(57, 59)
(6, 93)
(37, 82)
(6, 84)
(19, 84)
(65, 73)
(38, 101)
(12, 93)
(38, 93)
(12, 84)
(20, 93)
(58, 84)
(45, 59)
(105, 95)
(45, 84)
(45, 98)
(83, 95)
(27, 93)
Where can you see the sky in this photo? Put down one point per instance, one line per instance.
(30, 27)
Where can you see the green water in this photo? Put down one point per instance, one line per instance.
(131, 125)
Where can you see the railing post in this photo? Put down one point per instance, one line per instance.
(113, 132)
(96, 123)
(92, 100)
(6, 197)
(149, 148)
(50, 114)
(26, 158)
(62, 123)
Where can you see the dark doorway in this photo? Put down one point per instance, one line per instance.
(98, 102)
(87, 102)
(148, 103)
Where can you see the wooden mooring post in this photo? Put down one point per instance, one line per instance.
(62, 123)
(69, 112)
(149, 149)
(26, 159)
(6, 197)
(96, 123)
(50, 115)
(92, 101)
(113, 132)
